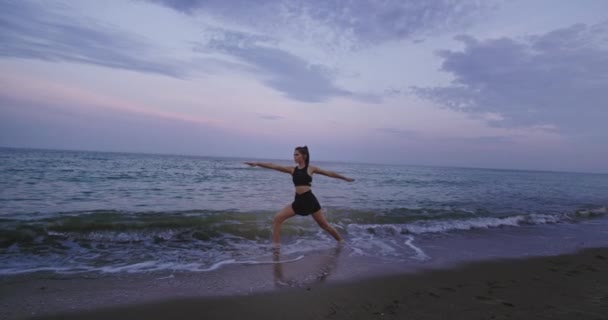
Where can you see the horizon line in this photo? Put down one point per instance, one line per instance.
(321, 160)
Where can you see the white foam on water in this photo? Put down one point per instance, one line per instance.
(374, 243)
(480, 223)
(217, 265)
(16, 271)
(545, 218)
(420, 255)
(141, 266)
(270, 261)
(441, 226)
(592, 212)
(391, 241)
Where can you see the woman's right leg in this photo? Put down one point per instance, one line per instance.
(283, 215)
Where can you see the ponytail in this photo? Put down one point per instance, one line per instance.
(307, 155)
(304, 151)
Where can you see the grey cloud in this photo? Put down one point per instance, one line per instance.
(190, 6)
(186, 6)
(349, 25)
(368, 21)
(558, 78)
(219, 38)
(280, 69)
(33, 31)
(289, 74)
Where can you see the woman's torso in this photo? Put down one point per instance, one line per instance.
(302, 178)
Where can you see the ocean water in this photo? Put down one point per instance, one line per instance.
(74, 211)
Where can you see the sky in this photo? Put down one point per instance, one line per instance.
(519, 84)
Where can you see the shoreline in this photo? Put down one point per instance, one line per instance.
(565, 286)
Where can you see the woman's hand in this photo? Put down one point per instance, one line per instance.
(252, 164)
(349, 179)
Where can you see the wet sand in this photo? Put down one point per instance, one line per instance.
(570, 286)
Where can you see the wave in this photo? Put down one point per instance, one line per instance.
(110, 226)
(145, 266)
(107, 241)
(442, 226)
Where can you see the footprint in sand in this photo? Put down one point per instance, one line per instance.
(588, 268)
(392, 308)
(491, 300)
(573, 272)
(494, 285)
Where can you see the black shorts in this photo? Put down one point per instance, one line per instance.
(305, 204)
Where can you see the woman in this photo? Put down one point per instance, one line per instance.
(305, 203)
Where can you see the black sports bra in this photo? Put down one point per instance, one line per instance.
(300, 177)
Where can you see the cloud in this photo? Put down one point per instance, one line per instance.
(292, 75)
(365, 22)
(36, 31)
(19, 90)
(289, 74)
(297, 46)
(50, 125)
(557, 80)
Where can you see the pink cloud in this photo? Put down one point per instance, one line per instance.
(43, 92)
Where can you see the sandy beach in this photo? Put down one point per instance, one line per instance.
(570, 286)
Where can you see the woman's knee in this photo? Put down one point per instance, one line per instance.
(281, 216)
(278, 219)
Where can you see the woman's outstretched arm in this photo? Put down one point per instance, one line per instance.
(331, 174)
(271, 166)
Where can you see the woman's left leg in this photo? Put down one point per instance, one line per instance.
(320, 219)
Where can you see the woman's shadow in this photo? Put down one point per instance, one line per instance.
(326, 267)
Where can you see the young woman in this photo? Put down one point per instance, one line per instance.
(305, 202)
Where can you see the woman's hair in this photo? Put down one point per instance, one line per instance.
(304, 151)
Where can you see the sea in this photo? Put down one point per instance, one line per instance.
(74, 212)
